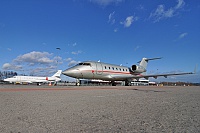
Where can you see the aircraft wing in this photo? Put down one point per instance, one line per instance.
(122, 77)
(160, 75)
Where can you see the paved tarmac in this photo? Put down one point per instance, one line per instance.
(27, 108)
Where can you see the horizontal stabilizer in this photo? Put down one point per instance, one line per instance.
(147, 59)
(154, 58)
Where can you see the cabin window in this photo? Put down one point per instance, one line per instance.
(116, 68)
(113, 68)
(105, 67)
(120, 69)
(123, 69)
(109, 67)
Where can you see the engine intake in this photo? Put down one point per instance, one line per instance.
(138, 69)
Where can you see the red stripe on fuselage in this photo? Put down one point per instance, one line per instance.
(112, 72)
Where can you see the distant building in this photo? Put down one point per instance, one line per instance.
(140, 82)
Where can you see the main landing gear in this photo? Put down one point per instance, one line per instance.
(127, 83)
(113, 83)
(77, 82)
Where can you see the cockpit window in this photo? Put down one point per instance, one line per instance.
(85, 64)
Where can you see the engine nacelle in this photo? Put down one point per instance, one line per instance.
(138, 69)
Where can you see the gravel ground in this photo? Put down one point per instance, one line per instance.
(99, 109)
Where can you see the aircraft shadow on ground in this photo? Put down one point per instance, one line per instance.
(146, 90)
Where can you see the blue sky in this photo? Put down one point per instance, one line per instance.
(112, 31)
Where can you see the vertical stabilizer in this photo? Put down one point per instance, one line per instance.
(144, 61)
(57, 74)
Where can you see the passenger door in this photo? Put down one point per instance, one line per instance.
(99, 68)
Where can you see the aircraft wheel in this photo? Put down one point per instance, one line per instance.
(127, 83)
(77, 82)
(113, 83)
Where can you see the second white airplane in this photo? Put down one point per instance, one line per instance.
(110, 72)
(32, 79)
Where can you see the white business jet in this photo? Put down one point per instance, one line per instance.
(110, 72)
(32, 79)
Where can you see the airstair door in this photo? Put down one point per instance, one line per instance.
(99, 68)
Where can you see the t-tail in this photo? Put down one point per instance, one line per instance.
(57, 74)
(144, 61)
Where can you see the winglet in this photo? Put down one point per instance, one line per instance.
(195, 69)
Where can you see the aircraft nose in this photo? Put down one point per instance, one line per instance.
(67, 72)
(5, 80)
(71, 72)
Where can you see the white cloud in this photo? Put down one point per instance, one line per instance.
(58, 60)
(169, 13)
(74, 44)
(43, 71)
(35, 57)
(72, 63)
(111, 18)
(106, 2)
(140, 7)
(30, 62)
(180, 4)
(68, 59)
(158, 14)
(162, 13)
(136, 48)
(76, 53)
(129, 20)
(44, 43)
(115, 30)
(8, 66)
(9, 49)
(183, 35)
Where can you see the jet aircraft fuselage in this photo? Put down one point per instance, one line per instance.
(98, 70)
(110, 72)
(34, 79)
